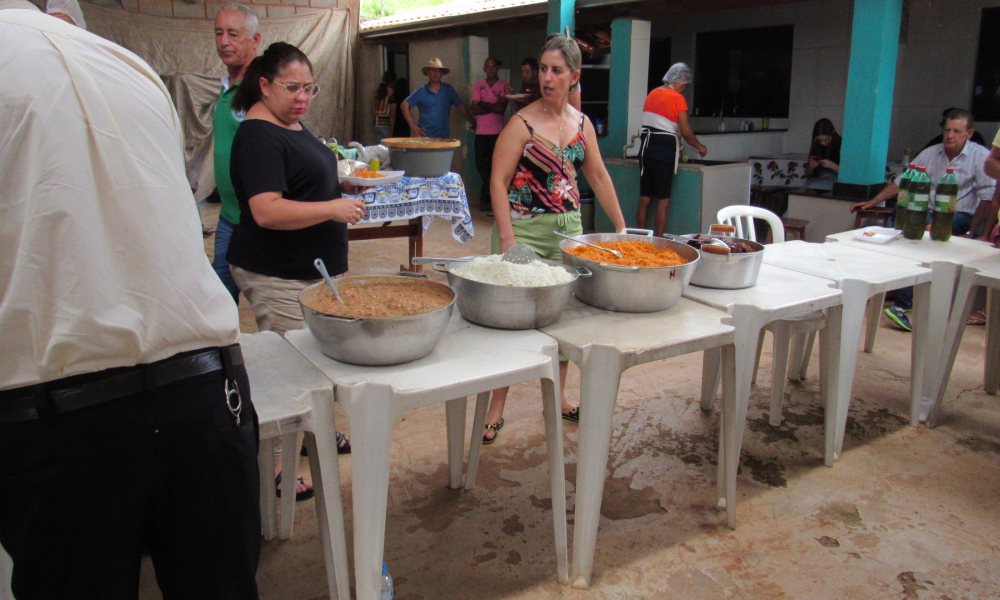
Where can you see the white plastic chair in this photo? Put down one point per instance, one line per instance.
(799, 330)
(295, 400)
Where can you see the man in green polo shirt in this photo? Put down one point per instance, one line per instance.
(237, 37)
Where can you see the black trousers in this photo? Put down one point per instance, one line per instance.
(82, 496)
(485, 144)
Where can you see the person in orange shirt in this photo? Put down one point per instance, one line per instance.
(664, 118)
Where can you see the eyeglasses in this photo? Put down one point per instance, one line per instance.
(311, 89)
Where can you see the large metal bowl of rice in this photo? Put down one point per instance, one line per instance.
(507, 295)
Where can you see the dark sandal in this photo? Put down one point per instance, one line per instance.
(299, 496)
(977, 318)
(495, 428)
(343, 444)
(573, 415)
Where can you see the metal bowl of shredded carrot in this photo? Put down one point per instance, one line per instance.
(634, 254)
(650, 277)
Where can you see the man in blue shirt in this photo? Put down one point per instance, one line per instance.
(434, 101)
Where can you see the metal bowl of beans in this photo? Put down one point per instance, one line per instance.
(509, 306)
(635, 289)
(385, 334)
(733, 270)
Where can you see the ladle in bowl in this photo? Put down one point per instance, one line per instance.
(568, 237)
(318, 263)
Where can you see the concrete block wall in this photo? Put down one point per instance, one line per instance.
(207, 9)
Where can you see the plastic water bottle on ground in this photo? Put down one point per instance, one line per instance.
(386, 593)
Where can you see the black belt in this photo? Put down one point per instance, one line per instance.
(45, 400)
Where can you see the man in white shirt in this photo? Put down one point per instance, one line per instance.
(974, 186)
(955, 152)
(126, 421)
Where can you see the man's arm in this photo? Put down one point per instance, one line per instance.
(409, 119)
(468, 115)
(992, 168)
(456, 100)
(887, 192)
(992, 165)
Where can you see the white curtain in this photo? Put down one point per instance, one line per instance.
(183, 52)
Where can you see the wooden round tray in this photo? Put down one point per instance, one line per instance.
(417, 143)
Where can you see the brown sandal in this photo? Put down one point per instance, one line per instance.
(977, 318)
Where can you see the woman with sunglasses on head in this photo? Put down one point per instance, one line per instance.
(291, 202)
(534, 182)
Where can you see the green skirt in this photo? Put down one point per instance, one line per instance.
(537, 232)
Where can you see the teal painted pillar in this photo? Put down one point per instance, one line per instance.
(561, 16)
(621, 67)
(870, 80)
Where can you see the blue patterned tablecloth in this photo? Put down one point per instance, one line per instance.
(412, 197)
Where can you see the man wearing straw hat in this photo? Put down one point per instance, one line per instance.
(434, 101)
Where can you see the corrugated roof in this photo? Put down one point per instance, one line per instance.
(444, 11)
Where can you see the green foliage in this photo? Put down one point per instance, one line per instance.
(372, 9)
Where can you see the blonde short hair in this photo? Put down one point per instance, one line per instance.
(568, 47)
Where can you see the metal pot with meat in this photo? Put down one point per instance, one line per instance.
(727, 262)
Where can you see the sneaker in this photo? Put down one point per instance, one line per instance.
(898, 316)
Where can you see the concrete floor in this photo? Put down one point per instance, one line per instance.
(907, 513)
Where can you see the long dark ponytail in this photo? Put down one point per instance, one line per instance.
(268, 65)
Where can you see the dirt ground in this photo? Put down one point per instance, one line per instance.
(908, 512)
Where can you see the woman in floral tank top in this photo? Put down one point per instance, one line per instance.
(534, 184)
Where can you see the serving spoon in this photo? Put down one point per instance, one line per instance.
(318, 263)
(568, 237)
(521, 254)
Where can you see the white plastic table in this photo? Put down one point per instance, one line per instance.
(293, 397)
(944, 259)
(981, 273)
(604, 344)
(779, 293)
(861, 274)
(469, 360)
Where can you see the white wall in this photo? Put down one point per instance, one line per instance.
(821, 51)
(935, 67)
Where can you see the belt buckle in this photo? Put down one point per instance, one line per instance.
(233, 392)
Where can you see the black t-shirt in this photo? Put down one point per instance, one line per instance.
(269, 158)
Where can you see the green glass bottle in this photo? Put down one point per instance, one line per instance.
(916, 208)
(944, 207)
(903, 195)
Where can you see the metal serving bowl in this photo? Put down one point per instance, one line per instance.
(729, 271)
(510, 307)
(632, 289)
(379, 341)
